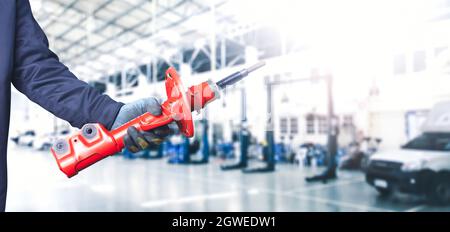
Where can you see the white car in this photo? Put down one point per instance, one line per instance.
(25, 139)
(421, 166)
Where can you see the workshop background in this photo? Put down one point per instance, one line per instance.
(372, 77)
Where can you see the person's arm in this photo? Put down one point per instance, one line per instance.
(40, 75)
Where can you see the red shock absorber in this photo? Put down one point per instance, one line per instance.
(94, 142)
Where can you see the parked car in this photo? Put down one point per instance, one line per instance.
(422, 166)
(25, 139)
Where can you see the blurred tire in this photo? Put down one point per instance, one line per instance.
(364, 163)
(440, 190)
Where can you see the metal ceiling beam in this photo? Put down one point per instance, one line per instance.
(79, 11)
(66, 8)
(86, 17)
(108, 23)
(149, 34)
(125, 31)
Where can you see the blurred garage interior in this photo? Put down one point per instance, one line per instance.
(350, 113)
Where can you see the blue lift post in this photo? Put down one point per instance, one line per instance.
(186, 155)
(181, 151)
(205, 142)
(332, 143)
(270, 148)
(244, 137)
(204, 147)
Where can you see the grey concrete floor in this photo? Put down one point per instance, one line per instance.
(117, 184)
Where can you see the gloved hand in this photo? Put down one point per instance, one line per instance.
(135, 140)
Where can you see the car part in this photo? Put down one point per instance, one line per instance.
(94, 142)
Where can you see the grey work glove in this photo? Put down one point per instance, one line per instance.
(136, 140)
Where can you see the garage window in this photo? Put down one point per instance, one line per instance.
(323, 124)
(283, 125)
(294, 126)
(348, 121)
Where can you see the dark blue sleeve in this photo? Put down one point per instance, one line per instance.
(40, 75)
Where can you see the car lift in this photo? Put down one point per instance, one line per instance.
(244, 137)
(330, 172)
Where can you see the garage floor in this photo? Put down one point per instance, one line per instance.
(116, 184)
